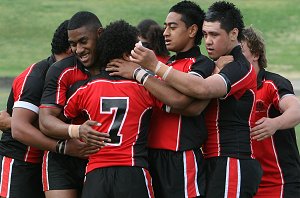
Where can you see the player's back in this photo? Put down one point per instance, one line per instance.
(123, 107)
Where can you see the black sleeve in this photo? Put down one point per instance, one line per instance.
(203, 67)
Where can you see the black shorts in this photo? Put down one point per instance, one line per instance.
(121, 181)
(20, 179)
(177, 174)
(61, 172)
(231, 177)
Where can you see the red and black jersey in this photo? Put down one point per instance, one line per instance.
(59, 78)
(278, 154)
(123, 107)
(229, 119)
(163, 59)
(177, 132)
(26, 92)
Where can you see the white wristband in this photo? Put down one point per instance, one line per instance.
(73, 131)
(166, 73)
(141, 75)
(158, 66)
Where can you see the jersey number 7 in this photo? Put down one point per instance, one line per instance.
(118, 106)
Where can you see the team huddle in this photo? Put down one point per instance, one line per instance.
(109, 114)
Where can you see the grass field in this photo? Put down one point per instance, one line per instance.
(27, 28)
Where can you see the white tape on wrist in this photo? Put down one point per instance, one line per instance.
(167, 73)
(73, 131)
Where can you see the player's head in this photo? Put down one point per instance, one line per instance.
(116, 41)
(83, 30)
(183, 26)
(253, 47)
(151, 35)
(60, 43)
(222, 28)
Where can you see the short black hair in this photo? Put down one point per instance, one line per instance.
(117, 38)
(84, 18)
(60, 43)
(153, 33)
(191, 14)
(228, 15)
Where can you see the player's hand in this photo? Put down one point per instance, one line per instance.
(92, 136)
(4, 120)
(121, 67)
(221, 62)
(77, 148)
(144, 57)
(265, 127)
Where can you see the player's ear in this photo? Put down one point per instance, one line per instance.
(193, 29)
(255, 56)
(233, 34)
(99, 31)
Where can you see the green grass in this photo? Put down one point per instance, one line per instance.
(27, 26)
(298, 135)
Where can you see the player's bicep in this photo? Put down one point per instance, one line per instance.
(289, 101)
(217, 86)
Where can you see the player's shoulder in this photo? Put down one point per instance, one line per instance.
(41, 67)
(68, 62)
(204, 59)
(277, 78)
(77, 85)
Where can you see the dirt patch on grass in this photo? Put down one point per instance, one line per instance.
(6, 81)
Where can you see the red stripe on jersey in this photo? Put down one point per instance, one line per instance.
(148, 181)
(190, 174)
(236, 87)
(211, 147)
(252, 120)
(7, 164)
(233, 178)
(33, 155)
(45, 171)
(48, 106)
(16, 84)
(67, 78)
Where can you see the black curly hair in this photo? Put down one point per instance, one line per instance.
(84, 18)
(228, 15)
(153, 33)
(117, 39)
(191, 14)
(60, 41)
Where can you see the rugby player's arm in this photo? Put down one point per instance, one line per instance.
(52, 126)
(289, 105)
(24, 127)
(265, 127)
(177, 102)
(193, 109)
(158, 88)
(50, 122)
(5, 120)
(194, 86)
